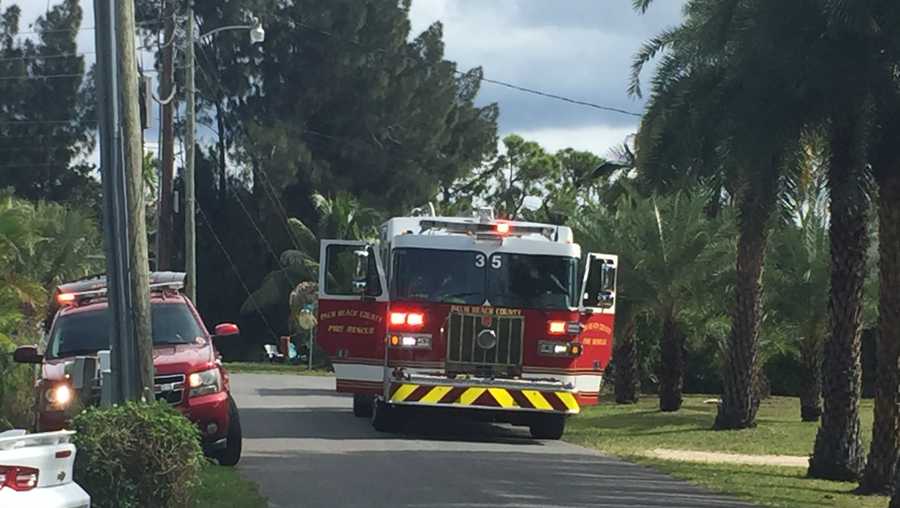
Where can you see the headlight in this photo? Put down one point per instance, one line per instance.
(205, 382)
(59, 396)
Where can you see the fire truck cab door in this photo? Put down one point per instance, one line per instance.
(353, 300)
(598, 310)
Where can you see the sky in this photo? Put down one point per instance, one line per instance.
(581, 49)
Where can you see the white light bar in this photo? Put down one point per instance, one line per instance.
(487, 229)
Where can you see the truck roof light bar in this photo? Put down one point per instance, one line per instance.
(487, 229)
(95, 287)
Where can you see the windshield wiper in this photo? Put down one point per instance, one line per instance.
(177, 340)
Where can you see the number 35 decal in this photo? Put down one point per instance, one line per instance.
(481, 261)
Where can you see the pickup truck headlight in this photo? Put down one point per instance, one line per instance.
(205, 382)
(59, 396)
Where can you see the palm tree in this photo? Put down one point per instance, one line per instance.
(881, 466)
(728, 57)
(668, 252)
(341, 217)
(799, 282)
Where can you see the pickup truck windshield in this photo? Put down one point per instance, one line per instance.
(88, 332)
(470, 277)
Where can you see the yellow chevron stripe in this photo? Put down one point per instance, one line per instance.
(502, 397)
(569, 400)
(537, 400)
(436, 393)
(469, 396)
(403, 392)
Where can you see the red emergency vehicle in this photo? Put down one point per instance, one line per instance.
(188, 373)
(489, 318)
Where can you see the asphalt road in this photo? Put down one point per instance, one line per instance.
(304, 447)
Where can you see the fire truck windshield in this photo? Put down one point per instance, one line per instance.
(471, 277)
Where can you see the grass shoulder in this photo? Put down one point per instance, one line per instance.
(273, 368)
(223, 487)
(634, 431)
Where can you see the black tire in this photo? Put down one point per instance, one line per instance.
(384, 417)
(231, 454)
(362, 405)
(547, 426)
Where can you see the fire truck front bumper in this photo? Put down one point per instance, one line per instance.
(484, 394)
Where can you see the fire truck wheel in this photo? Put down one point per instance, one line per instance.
(547, 426)
(231, 454)
(384, 417)
(362, 405)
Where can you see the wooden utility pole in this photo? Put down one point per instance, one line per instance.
(190, 224)
(166, 231)
(133, 156)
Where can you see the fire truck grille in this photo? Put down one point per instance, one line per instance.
(465, 350)
(169, 388)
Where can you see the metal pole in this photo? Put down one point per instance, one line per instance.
(309, 353)
(190, 229)
(115, 226)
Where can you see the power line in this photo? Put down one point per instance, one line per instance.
(47, 57)
(37, 77)
(266, 180)
(36, 122)
(553, 96)
(234, 268)
(255, 226)
(496, 82)
(55, 30)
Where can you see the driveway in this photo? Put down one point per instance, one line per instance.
(304, 447)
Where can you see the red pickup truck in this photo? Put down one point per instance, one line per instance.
(188, 373)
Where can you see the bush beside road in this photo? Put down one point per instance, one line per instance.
(635, 431)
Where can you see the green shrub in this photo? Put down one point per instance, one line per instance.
(137, 455)
(16, 389)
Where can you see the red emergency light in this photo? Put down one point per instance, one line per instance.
(65, 298)
(556, 327)
(407, 320)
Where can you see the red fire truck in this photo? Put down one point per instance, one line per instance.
(489, 318)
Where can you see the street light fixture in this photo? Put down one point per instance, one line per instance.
(257, 35)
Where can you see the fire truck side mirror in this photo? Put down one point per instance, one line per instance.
(360, 274)
(608, 277)
(599, 284)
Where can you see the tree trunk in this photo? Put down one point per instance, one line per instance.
(838, 452)
(883, 453)
(223, 181)
(626, 360)
(811, 378)
(672, 352)
(739, 400)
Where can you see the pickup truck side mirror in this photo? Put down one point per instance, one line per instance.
(27, 354)
(227, 329)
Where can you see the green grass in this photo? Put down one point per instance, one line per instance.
(273, 368)
(223, 487)
(631, 431)
(769, 486)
